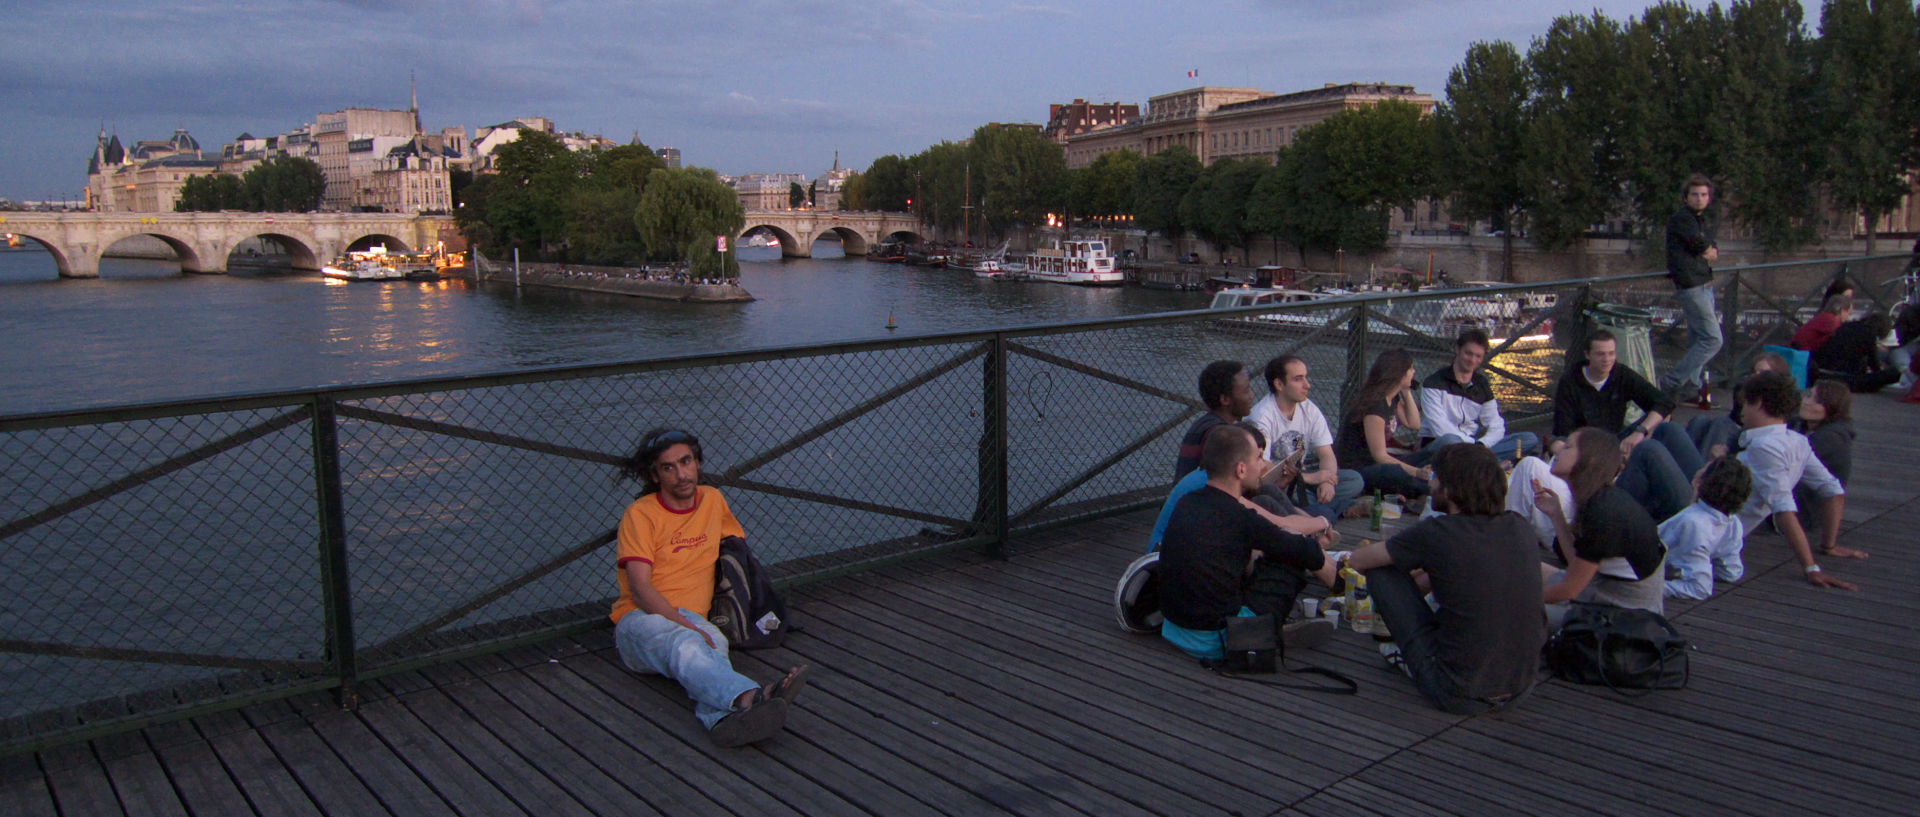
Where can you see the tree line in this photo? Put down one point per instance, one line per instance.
(283, 184)
(621, 206)
(1599, 120)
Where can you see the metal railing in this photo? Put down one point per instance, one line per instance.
(169, 559)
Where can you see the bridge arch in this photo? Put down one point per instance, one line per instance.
(908, 236)
(59, 253)
(303, 251)
(852, 242)
(790, 244)
(392, 242)
(191, 260)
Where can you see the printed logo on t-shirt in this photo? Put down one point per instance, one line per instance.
(681, 543)
(1288, 442)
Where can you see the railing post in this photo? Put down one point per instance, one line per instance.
(990, 497)
(1729, 330)
(1357, 362)
(334, 584)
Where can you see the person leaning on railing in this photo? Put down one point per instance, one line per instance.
(1691, 251)
(668, 546)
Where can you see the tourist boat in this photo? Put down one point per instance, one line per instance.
(1086, 263)
(372, 264)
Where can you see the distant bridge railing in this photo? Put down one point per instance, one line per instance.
(164, 560)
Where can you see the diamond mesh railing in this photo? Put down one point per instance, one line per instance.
(164, 560)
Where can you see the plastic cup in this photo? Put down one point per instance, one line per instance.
(1310, 608)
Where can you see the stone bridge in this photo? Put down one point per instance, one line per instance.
(856, 229)
(204, 240)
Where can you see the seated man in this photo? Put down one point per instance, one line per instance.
(1268, 498)
(1223, 556)
(1457, 404)
(1294, 425)
(1704, 541)
(1661, 459)
(1853, 353)
(1478, 652)
(669, 542)
(1813, 334)
(1228, 395)
(1780, 459)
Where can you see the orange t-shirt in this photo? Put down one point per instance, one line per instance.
(682, 546)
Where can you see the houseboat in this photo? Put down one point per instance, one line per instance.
(1087, 263)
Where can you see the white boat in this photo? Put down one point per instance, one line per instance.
(1087, 263)
(989, 268)
(372, 264)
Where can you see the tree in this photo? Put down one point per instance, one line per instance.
(1666, 90)
(681, 213)
(1570, 164)
(1215, 207)
(536, 177)
(1163, 181)
(1479, 133)
(626, 167)
(285, 184)
(1018, 177)
(212, 193)
(1764, 125)
(1868, 64)
(888, 185)
(1106, 186)
(813, 192)
(1343, 175)
(853, 192)
(599, 221)
(796, 195)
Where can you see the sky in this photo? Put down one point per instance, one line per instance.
(740, 86)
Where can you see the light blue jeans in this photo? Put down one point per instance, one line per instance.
(655, 644)
(1703, 332)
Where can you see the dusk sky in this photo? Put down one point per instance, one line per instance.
(738, 86)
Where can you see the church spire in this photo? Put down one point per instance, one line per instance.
(413, 96)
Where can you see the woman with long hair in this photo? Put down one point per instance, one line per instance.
(1610, 544)
(1385, 401)
(1826, 417)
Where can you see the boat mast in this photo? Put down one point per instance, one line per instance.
(966, 208)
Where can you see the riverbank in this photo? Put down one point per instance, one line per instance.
(637, 282)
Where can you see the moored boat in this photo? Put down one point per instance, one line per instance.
(1086, 263)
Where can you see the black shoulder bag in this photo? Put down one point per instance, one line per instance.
(1253, 647)
(1619, 648)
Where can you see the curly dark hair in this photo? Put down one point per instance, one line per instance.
(1216, 381)
(639, 466)
(1725, 484)
(1470, 478)
(1775, 392)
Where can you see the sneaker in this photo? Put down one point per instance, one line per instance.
(1306, 634)
(1394, 658)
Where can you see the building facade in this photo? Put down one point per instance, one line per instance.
(767, 191)
(1080, 116)
(146, 178)
(1216, 122)
(668, 156)
(341, 146)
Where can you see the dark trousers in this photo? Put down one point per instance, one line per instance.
(1659, 473)
(1272, 588)
(1389, 477)
(1399, 602)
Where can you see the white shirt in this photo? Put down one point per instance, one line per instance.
(1520, 497)
(1307, 429)
(1780, 459)
(1702, 544)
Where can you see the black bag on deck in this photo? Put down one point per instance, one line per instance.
(1619, 648)
(746, 608)
(1252, 646)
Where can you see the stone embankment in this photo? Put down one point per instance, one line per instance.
(658, 284)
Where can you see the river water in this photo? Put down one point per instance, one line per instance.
(143, 331)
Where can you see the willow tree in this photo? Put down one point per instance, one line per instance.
(683, 212)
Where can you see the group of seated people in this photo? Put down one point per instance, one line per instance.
(1623, 512)
(1849, 348)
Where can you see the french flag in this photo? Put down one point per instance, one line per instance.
(1194, 73)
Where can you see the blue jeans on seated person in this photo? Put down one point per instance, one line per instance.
(1348, 489)
(655, 644)
(1509, 448)
(1655, 479)
(1389, 477)
(1709, 430)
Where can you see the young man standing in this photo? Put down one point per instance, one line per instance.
(1224, 557)
(1227, 391)
(1691, 252)
(1478, 652)
(1457, 404)
(1294, 425)
(1661, 458)
(1781, 458)
(668, 545)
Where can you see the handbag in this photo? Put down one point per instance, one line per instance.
(1619, 648)
(1252, 646)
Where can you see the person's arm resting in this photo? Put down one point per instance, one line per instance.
(649, 600)
(1491, 420)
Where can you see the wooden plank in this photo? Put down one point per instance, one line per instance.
(195, 771)
(326, 780)
(269, 787)
(495, 762)
(444, 768)
(139, 781)
(23, 788)
(79, 784)
(385, 772)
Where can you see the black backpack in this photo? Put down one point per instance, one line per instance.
(746, 608)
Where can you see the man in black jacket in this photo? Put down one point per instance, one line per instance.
(1690, 255)
(1661, 458)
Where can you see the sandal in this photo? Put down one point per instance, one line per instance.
(761, 718)
(789, 686)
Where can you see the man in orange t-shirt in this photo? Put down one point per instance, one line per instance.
(668, 545)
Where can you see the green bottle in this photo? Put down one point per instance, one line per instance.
(1379, 508)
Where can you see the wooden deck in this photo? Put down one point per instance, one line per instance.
(972, 686)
